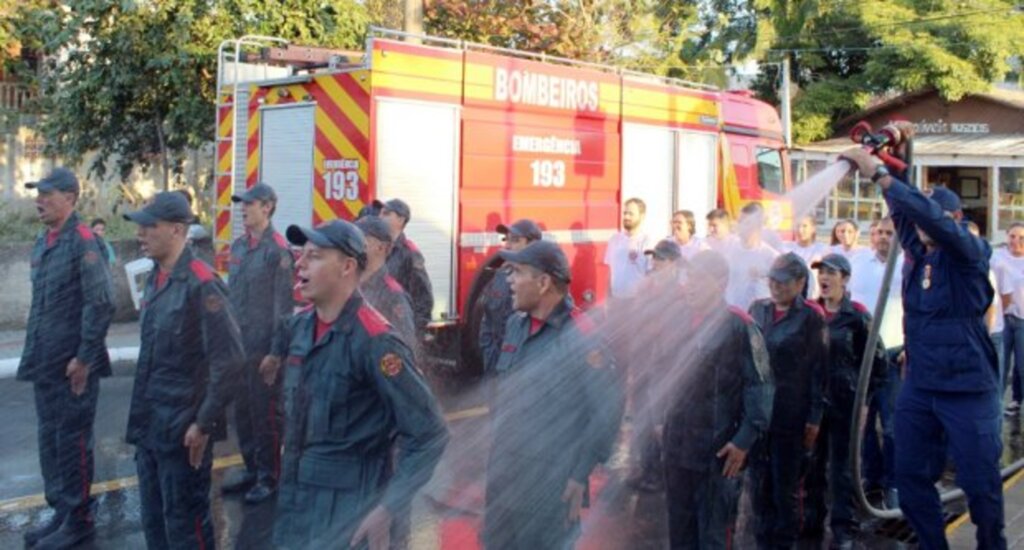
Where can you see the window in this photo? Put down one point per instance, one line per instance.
(769, 170)
(1011, 196)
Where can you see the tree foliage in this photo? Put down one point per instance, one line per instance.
(133, 80)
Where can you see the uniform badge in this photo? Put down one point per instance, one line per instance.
(595, 359)
(213, 303)
(390, 365)
(926, 283)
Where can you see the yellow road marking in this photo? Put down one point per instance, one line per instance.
(34, 501)
(965, 517)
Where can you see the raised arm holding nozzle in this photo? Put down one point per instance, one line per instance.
(952, 388)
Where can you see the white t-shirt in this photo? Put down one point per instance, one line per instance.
(748, 273)
(998, 323)
(721, 246)
(809, 254)
(1010, 280)
(689, 249)
(866, 284)
(626, 262)
(852, 253)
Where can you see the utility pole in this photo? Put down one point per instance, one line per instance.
(787, 113)
(413, 16)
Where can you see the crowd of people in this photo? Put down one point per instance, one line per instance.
(735, 358)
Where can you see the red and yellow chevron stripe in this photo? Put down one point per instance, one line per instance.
(225, 158)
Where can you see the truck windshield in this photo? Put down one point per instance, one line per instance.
(769, 170)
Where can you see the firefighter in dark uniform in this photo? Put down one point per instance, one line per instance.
(65, 355)
(379, 288)
(191, 354)
(405, 262)
(556, 413)
(849, 323)
(260, 281)
(719, 404)
(951, 395)
(350, 391)
(497, 298)
(796, 336)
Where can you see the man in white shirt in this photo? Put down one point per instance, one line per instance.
(720, 236)
(624, 256)
(684, 233)
(1009, 269)
(750, 259)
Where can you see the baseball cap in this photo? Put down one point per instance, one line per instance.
(837, 262)
(788, 267)
(523, 228)
(167, 206)
(710, 263)
(543, 255)
(59, 179)
(258, 192)
(945, 198)
(338, 234)
(368, 210)
(665, 250)
(372, 226)
(398, 206)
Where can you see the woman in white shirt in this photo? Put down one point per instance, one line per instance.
(844, 238)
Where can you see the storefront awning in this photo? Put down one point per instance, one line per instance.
(942, 149)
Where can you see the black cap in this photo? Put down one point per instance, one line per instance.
(368, 210)
(709, 263)
(372, 226)
(665, 250)
(59, 179)
(258, 192)
(523, 228)
(398, 206)
(166, 206)
(543, 255)
(837, 262)
(339, 234)
(945, 198)
(788, 267)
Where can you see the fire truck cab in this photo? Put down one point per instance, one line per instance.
(471, 136)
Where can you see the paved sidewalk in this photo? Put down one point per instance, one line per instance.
(122, 341)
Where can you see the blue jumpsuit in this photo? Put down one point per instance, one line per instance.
(951, 394)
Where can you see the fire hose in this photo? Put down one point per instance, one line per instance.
(884, 144)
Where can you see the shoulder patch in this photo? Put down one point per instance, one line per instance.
(859, 307)
(394, 285)
(584, 323)
(411, 245)
(280, 240)
(743, 315)
(85, 233)
(816, 307)
(390, 365)
(371, 319)
(202, 271)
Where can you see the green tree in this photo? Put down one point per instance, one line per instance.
(134, 80)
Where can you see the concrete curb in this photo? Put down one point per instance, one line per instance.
(9, 367)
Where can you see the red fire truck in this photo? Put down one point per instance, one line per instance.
(472, 136)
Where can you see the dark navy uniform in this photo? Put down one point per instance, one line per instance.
(951, 394)
(497, 304)
(406, 264)
(798, 351)
(388, 297)
(72, 306)
(725, 396)
(260, 279)
(848, 330)
(347, 396)
(556, 416)
(190, 357)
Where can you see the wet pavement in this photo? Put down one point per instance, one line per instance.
(446, 515)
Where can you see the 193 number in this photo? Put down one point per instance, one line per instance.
(342, 185)
(548, 173)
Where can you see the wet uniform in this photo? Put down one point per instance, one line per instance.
(190, 356)
(848, 330)
(72, 306)
(724, 396)
(387, 296)
(347, 396)
(798, 352)
(261, 273)
(497, 305)
(405, 263)
(555, 417)
(951, 394)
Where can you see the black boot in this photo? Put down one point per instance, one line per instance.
(71, 532)
(260, 492)
(32, 536)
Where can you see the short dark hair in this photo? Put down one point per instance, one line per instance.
(717, 214)
(1014, 225)
(752, 208)
(640, 204)
(97, 221)
(688, 216)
